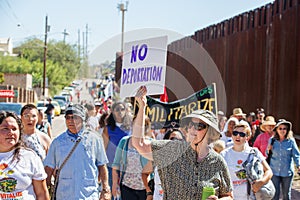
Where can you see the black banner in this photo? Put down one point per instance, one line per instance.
(169, 114)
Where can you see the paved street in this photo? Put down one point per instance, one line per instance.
(296, 188)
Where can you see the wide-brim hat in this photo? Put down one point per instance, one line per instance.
(285, 122)
(238, 112)
(206, 116)
(269, 121)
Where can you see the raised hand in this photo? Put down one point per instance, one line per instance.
(140, 96)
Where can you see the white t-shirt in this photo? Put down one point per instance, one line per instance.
(93, 122)
(158, 135)
(16, 177)
(158, 193)
(234, 162)
(228, 140)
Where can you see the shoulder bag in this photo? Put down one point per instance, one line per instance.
(53, 190)
(254, 170)
(268, 159)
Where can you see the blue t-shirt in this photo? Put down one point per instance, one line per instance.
(114, 138)
(78, 178)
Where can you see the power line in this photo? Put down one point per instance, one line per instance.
(12, 15)
(12, 11)
(6, 12)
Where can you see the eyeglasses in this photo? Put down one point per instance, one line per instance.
(28, 116)
(242, 134)
(197, 126)
(119, 109)
(282, 129)
(73, 117)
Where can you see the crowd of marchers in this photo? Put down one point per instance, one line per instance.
(109, 152)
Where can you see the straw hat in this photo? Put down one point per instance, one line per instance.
(238, 112)
(270, 120)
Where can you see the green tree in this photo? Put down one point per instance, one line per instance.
(62, 66)
(1, 77)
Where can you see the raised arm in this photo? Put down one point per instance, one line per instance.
(142, 145)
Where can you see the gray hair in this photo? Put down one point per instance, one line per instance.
(212, 135)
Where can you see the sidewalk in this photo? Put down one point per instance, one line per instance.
(296, 188)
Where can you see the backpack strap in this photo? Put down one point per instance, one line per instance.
(272, 142)
(251, 155)
(41, 127)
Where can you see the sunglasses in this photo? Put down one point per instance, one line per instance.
(197, 126)
(242, 134)
(119, 109)
(73, 117)
(284, 129)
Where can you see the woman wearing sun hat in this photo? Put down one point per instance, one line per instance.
(185, 168)
(285, 155)
(261, 142)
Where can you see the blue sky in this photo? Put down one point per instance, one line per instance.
(104, 19)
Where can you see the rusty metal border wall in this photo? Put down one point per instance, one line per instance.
(258, 56)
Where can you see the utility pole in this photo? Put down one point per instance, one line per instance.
(47, 29)
(79, 44)
(83, 46)
(122, 8)
(65, 33)
(86, 40)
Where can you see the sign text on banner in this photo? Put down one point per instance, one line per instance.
(166, 114)
(144, 63)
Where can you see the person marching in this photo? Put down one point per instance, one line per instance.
(22, 175)
(32, 137)
(77, 167)
(285, 154)
(236, 155)
(185, 168)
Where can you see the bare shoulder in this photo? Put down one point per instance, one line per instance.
(44, 137)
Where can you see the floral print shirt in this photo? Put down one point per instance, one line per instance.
(33, 142)
(182, 176)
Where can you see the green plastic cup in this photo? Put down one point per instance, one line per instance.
(207, 191)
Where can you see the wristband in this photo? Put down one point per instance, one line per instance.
(149, 193)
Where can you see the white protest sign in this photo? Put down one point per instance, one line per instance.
(144, 63)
